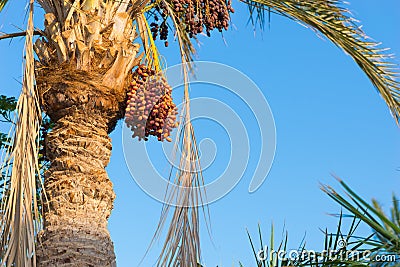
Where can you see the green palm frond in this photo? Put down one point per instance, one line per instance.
(339, 248)
(269, 255)
(342, 248)
(396, 211)
(387, 230)
(334, 21)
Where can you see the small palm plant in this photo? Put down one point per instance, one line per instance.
(378, 249)
(385, 237)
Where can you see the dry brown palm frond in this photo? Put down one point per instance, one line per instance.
(91, 36)
(333, 20)
(2, 4)
(182, 244)
(21, 221)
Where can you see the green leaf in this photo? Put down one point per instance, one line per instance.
(7, 103)
(334, 21)
(386, 229)
(4, 141)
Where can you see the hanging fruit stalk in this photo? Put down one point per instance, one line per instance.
(150, 109)
(195, 15)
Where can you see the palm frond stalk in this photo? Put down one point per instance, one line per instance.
(334, 21)
(182, 244)
(20, 220)
(2, 4)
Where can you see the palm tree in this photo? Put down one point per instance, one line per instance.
(86, 54)
(83, 66)
(382, 242)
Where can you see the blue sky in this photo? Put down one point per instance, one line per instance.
(329, 119)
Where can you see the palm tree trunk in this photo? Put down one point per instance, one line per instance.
(79, 193)
(84, 66)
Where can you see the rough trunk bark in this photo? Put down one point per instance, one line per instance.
(79, 193)
(84, 65)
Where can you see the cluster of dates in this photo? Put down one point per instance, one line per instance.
(162, 29)
(150, 109)
(196, 15)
